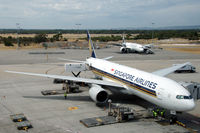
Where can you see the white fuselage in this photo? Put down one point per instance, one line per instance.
(133, 47)
(158, 90)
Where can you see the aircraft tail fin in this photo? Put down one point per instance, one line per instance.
(123, 39)
(91, 46)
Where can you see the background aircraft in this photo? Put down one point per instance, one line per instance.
(128, 47)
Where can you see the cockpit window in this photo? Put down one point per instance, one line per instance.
(179, 96)
(183, 97)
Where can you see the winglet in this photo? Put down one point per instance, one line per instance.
(91, 46)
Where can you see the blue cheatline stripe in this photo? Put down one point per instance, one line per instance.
(131, 84)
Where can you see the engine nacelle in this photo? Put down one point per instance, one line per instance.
(98, 94)
(123, 49)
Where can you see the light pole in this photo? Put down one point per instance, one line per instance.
(152, 31)
(18, 30)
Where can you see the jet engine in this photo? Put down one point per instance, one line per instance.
(98, 94)
(123, 50)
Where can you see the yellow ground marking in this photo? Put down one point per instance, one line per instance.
(19, 120)
(99, 120)
(25, 128)
(72, 108)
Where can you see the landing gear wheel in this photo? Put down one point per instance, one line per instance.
(173, 119)
(147, 51)
(128, 51)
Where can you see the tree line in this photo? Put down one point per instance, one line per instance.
(166, 34)
(143, 34)
(25, 41)
(97, 31)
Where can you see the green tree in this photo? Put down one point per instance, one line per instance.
(40, 38)
(57, 37)
(128, 36)
(7, 42)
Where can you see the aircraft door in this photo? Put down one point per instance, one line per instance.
(160, 93)
(163, 95)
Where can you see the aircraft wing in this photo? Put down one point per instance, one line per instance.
(166, 71)
(85, 80)
(107, 58)
(148, 46)
(72, 60)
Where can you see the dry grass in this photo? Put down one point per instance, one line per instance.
(193, 50)
(15, 35)
(31, 46)
(169, 44)
(70, 37)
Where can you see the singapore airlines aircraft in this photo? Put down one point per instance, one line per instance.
(153, 87)
(128, 47)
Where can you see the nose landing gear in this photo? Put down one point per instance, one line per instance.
(173, 117)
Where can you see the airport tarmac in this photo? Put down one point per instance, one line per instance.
(51, 114)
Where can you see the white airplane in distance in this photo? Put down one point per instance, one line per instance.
(153, 87)
(128, 47)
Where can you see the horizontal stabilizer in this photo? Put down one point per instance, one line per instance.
(72, 60)
(107, 58)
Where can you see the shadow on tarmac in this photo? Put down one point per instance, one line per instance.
(69, 98)
(189, 120)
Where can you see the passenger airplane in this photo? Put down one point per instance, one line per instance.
(153, 87)
(128, 47)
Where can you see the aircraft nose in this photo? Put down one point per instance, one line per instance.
(191, 105)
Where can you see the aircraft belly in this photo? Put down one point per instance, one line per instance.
(143, 96)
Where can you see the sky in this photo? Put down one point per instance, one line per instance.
(98, 14)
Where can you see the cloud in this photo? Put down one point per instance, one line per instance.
(99, 14)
